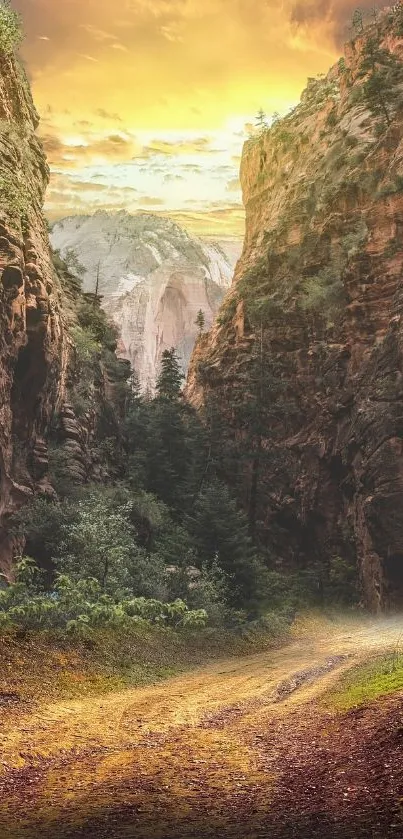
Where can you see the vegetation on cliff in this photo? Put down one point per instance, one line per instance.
(158, 512)
(10, 28)
(303, 366)
(144, 530)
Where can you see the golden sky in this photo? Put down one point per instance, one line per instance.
(145, 103)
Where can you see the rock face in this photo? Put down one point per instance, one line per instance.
(317, 303)
(31, 346)
(154, 278)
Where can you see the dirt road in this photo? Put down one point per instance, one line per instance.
(200, 755)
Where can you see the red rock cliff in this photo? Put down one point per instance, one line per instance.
(317, 305)
(30, 325)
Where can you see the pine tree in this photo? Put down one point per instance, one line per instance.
(377, 68)
(358, 21)
(221, 538)
(261, 120)
(169, 382)
(200, 322)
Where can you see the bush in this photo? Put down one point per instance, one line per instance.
(92, 319)
(79, 606)
(322, 292)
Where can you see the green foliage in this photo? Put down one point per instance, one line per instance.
(99, 543)
(95, 340)
(381, 70)
(92, 318)
(78, 606)
(10, 28)
(331, 120)
(200, 322)
(165, 442)
(87, 369)
(324, 291)
(70, 280)
(42, 523)
(221, 539)
(170, 378)
(87, 347)
(227, 311)
(14, 197)
(358, 21)
(342, 584)
(261, 121)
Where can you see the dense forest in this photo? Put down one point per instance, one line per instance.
(158, 534)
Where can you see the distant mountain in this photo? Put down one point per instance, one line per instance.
(154, 278)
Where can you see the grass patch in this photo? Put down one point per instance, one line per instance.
(47, 666)
(381, 676)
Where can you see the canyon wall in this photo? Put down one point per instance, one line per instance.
(153, 277)
(32, 357)
(306, 358)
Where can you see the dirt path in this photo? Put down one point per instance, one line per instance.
(200, 755)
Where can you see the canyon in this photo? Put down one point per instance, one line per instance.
(153, 278)
(303, 363)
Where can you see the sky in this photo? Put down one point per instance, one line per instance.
(145, 104)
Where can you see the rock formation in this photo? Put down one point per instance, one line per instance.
(31, 345)
(316, 308)
(153, 277)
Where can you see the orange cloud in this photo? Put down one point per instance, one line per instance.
(116, 82)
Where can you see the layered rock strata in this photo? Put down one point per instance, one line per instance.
(317, 302)
(31, 343)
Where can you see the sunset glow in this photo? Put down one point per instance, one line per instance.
(145, 104)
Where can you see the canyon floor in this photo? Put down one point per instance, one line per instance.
(241, 748)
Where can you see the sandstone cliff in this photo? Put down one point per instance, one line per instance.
(154, 278)
(31, 345)
(306, 359)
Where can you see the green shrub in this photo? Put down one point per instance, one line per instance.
(322, 292)
(14, 198)
(87, 347)
(79, 606)
(332, 118)
(227, 311)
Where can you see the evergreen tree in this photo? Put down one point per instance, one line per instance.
(261, 120)
(358, 21)
(200, 322)
(260, 408)
(166, 453)
(221, 539)
(169, 382)
(378, 88)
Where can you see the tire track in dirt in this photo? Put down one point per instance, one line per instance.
(181, 759)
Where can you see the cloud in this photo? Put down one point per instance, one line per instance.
(172, 148)
(149, 201)
(107, 115)
(113, 149)
(89, 57)
(173, 177)
(336, 14)
(144, 90)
